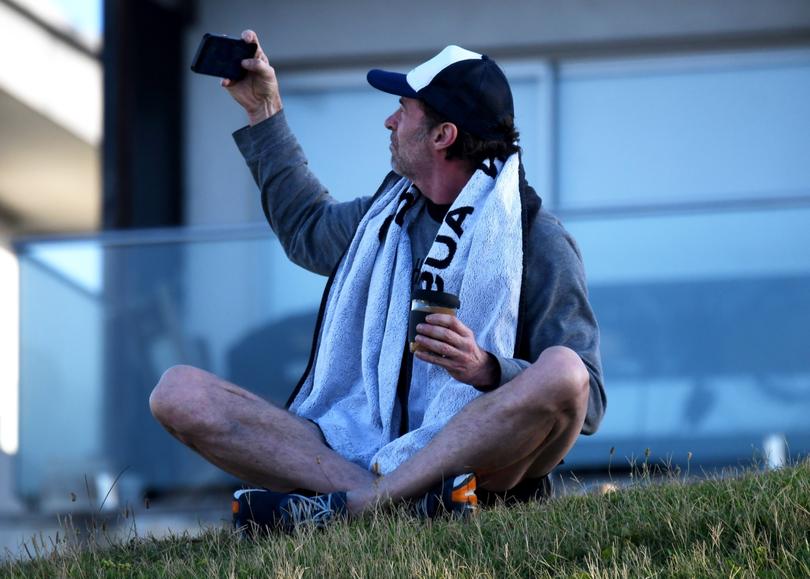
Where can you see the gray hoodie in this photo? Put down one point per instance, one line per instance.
(315, 231)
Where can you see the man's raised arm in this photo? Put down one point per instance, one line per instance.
(313, 228)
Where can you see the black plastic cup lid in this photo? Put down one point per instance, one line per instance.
(434, 298)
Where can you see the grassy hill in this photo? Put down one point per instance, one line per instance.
(754, 524)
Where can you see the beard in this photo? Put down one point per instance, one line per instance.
(400, 165)
(409, 158)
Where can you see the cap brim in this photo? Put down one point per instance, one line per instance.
(390, 82)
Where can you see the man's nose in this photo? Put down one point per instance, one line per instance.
(391, 122)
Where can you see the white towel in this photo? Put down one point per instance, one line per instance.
(351, 391)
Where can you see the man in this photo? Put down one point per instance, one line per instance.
(494, 398)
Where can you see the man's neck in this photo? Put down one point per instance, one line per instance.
(444, 184)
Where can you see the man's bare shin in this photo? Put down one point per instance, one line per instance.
(249, 437)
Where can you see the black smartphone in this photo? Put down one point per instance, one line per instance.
(222, 56)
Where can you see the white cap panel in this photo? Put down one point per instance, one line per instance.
(421, 76)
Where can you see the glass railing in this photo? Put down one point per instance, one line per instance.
(705, 325)
(707, 359)
(103, 317)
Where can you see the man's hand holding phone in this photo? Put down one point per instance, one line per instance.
(258, 92)
(253, 81)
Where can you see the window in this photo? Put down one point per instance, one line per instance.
(708, 128)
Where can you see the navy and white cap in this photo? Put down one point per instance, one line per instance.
(465, 87)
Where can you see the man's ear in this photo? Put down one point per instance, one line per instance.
(444, 136)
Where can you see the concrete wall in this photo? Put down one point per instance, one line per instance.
(327, 31)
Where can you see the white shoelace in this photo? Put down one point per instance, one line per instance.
(317, 511)
(420, 507)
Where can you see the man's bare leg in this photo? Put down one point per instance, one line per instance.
(523, 428)
(247, 436)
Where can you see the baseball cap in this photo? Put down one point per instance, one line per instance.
(467, 88)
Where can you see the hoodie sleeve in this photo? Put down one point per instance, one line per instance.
(313, 228)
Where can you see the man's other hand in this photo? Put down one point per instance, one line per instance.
(450, 344)
(258, 91)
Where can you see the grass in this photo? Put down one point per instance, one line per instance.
(750, 524)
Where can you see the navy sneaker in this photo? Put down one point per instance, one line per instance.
(261, 510)
(528, 490)
(454, 497)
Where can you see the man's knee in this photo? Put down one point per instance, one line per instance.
(176, 402)
(561, 381)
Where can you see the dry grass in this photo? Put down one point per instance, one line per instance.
(753, 524)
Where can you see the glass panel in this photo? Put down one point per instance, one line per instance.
(705, 350)
(695, 247)
(61, 374)
(89, 359)
(77, 262)
(705, 324)
(689, 129)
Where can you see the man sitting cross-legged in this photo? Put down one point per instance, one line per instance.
(491, 400)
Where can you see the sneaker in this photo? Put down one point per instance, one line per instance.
(528, 490)
(262, 510)
(455, 497)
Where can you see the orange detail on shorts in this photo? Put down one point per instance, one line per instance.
(235, 507)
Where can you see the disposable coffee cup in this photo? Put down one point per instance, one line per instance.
(424, 303)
